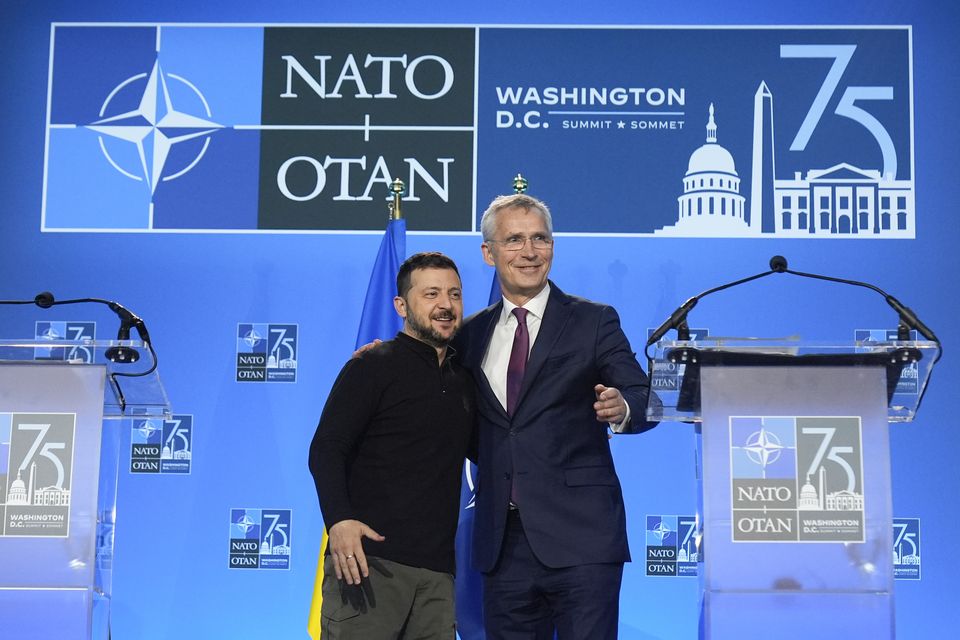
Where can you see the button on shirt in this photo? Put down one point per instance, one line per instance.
(497, 357)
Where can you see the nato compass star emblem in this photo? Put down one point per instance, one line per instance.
(147, 429)
(154, 127)
(245, 523)
(252, 338)
(763, 448)
(662, 530)
(50, 334)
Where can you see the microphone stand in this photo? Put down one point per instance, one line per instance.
(119, 354)
(907, 319)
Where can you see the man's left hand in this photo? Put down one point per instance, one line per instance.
(610, 405)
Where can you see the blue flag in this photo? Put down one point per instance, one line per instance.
(495, 293)
(469, 584)
(378, 320)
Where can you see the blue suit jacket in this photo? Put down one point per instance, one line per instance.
(553, 448)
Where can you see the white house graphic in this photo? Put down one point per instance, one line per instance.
(839, 201)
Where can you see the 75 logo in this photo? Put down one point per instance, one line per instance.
(41, 449)
(841, 54)
(906, 548)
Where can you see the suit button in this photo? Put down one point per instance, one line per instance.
(506, 476)
(512, 433)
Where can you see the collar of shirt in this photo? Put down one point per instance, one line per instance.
(535, 306)
(426, 351)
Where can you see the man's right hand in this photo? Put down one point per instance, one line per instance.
(366, 347)
(347, 551)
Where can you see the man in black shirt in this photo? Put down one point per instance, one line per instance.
(387, 459)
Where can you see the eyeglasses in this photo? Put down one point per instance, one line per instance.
(516, 244)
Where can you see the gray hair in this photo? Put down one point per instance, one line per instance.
(488, 223)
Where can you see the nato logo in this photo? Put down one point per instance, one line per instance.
(763, 458)
(162, 446)
(74, 332)
(673, 546)
(142, 128)
(266, 352)
(797, 479)
(906, 548)
(668, 375)
(909, 382)
(247, 127)
(260, 538)
(36, 471)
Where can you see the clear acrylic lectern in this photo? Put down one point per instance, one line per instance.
(793, 465)
(61, 419)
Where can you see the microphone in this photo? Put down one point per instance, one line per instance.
(908, 319)
(119, 354)
(676, 319)
(128, 320)
(778, 264)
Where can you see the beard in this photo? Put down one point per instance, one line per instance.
(425, 332)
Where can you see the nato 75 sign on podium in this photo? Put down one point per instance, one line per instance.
(60, 432)
(793, 465)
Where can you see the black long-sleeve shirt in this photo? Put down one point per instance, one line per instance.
(390, 447)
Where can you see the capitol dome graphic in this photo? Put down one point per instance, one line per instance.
(711, 204)
(18, 492)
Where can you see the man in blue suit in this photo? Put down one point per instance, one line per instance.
(553, 372)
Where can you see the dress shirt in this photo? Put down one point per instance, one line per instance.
(497, 357)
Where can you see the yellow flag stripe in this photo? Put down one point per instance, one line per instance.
(313, 622)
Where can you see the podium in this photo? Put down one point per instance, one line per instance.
(63, 406)
(794, 512)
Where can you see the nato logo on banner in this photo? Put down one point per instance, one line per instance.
(61, 331)
(673, 546)
(162, 446)
(267, 352)
(206, 127)
(906, 548)
(36, 472)
(909, 382)
(260, 538)
(796, 479)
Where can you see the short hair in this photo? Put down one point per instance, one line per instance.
(423, 260)
(488, 223)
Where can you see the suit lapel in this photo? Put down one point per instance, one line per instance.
(555, 317)
(475, 363)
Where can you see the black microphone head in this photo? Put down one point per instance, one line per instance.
(778, 264)
(44, 300)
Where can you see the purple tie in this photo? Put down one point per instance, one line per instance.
(518, 360)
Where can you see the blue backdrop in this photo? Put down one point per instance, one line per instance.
(250, 440)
